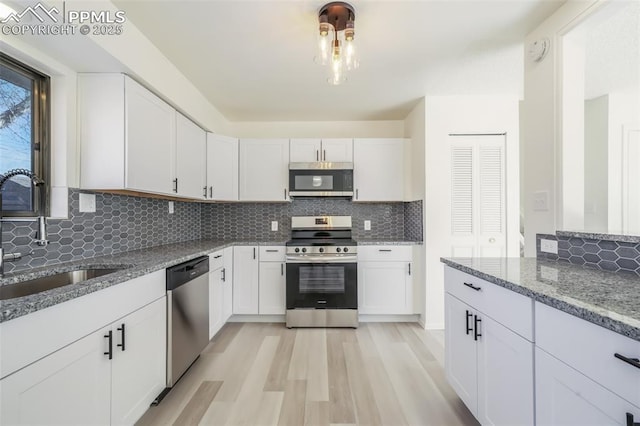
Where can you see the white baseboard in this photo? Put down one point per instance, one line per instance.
(256, 318)
(388, 318)
(434, 326)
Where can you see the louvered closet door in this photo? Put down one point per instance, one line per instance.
(478, 196)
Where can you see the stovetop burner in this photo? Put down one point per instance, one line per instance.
(321, 235)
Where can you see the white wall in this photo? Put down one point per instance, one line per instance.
(596, 179)
(414, 130)
(317, 129)
(462, 114)
(541, 125)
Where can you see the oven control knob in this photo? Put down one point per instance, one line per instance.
(338, 250)
(297, 250)
(346, 249)
(321, 250)
(304, 250)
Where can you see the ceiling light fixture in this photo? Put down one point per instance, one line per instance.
(336, 40)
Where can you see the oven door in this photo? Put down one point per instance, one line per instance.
(322, 285)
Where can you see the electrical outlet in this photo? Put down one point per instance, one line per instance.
(541, 201)
(87, 203)
(274, 225)
(548, 246)
(171, 207)
(367, 225)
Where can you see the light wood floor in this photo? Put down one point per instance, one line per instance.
(266, 374)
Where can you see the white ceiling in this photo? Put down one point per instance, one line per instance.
(254, 59)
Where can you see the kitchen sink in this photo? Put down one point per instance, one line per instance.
(27, 288)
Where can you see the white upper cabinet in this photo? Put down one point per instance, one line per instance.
(130, 139)
(127, 135)
(378, 169)
(264, 169)
(222, 168)
(310, 150)
(191, 143)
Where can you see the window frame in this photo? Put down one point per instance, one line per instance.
(40, 136)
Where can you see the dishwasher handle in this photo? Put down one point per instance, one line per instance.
(184, 272)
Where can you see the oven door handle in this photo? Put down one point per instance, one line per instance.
(321, 259)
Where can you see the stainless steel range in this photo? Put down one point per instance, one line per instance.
(322, 273)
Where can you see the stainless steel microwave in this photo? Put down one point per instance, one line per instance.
(321, 179)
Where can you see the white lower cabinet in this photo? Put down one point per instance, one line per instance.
(487, 363)
(220, 289)
(272, 278)
(385, 283)
(245, 280)
(566, 397)
(92, 381)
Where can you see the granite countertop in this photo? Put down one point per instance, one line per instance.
(134, 263)
(611, 300)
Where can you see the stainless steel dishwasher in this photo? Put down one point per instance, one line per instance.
(187, 315)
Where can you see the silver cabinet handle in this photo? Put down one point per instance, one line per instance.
(324, 155)
(409, 268)
(357, 196)
(317, 155)
(285, 193)
(282, 269)
(211, 192)
(224, 274)
(217, 257)
(175, 185)
(205, 191)
(386, 250)
(271, 251)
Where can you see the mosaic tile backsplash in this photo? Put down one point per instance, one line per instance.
(607, 255)
(252, 221)
(122, 223)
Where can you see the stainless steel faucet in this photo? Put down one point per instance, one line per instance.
(41, 238)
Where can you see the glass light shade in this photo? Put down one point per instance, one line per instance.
(324, 39)
(350, 58)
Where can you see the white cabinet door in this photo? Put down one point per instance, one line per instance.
(69, 387)
(150, 138)
(190, 154)
(337, 150)
(139, 362)
(304, 150)
(505, 375)
(461, 351)
(378, 169)
(222, 167)
(227, 282)
(566, 397)
(264, 169)
(385, 288)
(216, 296)
(272, 294)
(245, 280)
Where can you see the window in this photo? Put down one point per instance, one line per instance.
(24, 136)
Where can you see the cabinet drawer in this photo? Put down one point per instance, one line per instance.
(216, 260)
(272, 254)
(385, 253)
(590, 349)
(510, 309)
(566, 397)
